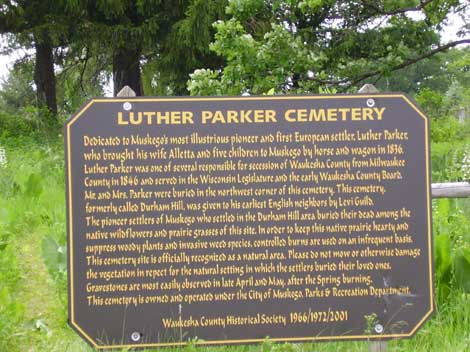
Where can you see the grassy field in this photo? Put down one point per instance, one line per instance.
(33, 290)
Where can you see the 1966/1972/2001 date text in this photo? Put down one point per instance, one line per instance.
(310, 316)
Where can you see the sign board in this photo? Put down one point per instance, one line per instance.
(300, 218)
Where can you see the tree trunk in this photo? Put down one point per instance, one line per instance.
(44, 76)
(126, 70)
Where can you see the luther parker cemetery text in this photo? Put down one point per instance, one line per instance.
(233, 219)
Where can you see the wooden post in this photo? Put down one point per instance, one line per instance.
(462, 114)
(368, 88)
(374, 346)
(126, 92)
(451, 190)
(378, 346)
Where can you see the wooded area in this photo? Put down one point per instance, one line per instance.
(153, 45)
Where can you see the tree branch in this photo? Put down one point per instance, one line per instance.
(11, 20)
(416, 59)
(399, 11)
(348, 82)
(82, 73)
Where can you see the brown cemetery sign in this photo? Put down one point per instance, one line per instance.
(231, 219)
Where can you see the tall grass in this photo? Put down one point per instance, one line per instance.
(32, 209)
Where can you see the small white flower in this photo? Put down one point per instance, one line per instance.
(466, 165)
(3, 157)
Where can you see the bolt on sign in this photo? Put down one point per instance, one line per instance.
(301, 218)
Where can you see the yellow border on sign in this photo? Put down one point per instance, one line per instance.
(428, 200)
(262, 98)
(69, 191)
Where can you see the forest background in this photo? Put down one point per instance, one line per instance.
(73, 49)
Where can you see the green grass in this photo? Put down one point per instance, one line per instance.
(33, 297)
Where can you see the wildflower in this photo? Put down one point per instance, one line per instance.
(3, 157)
(466, 165)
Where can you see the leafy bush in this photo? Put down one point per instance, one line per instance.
(451, 248)
(431, 101)
(446, 160)
(446, 129)
(14, 125)
(28, 121)
(450, 149)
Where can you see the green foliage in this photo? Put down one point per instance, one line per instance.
(44, 26)
(439, 84)
(32, 203)
(458, 65)
(451, 248)
(15, 126)
(168, 39)
(11, 311)
(27, 121)
(327, 90)
(187, 46)
(371, 321)
(17, 89)
(83, 77)
(462, 268)
(455, 95)
(55, 257)
(33, 186)
(450, 137)
(432, 102)
(270, 346)
(442, 248)
(253, 66)
(450, 156)
(244, 9)
(205, 81)
(443, 264)
(316, 43)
